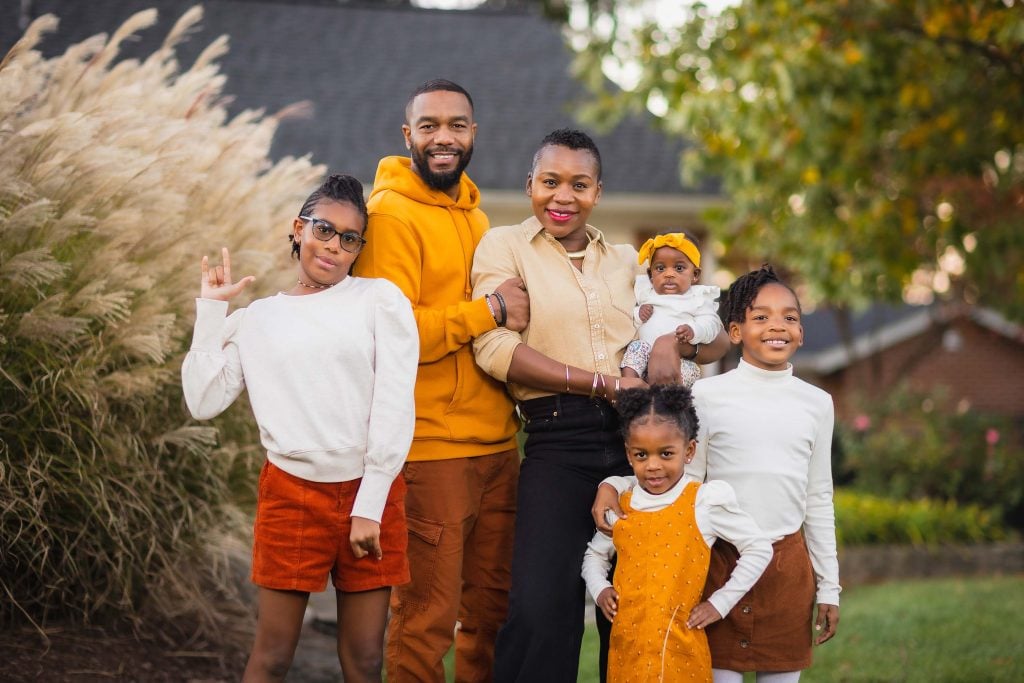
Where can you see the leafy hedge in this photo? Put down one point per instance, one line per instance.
(115, 177)
(864, 519)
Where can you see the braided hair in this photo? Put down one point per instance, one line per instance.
(740, 297)
(670, 402)
(339, 187)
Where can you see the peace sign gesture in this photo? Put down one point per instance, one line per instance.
(216, 282)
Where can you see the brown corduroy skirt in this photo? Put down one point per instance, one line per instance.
(769, 629)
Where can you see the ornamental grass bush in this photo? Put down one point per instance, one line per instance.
(115, 177)
(914, 445)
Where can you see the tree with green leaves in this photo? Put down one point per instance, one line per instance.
(874, 147)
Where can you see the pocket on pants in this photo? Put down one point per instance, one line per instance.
(424, 539)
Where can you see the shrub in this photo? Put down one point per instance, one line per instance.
(115, 177)
(915, 445)
(863, 519)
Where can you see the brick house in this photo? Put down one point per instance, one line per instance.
(975, 353)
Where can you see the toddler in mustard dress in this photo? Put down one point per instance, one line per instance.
(663, 544)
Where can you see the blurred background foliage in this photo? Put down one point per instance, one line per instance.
(116, 176)
(912, 445)
(875, 148)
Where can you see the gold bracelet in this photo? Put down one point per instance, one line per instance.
(567, 379)
(604, 388)
(593, 388)
(616, 397)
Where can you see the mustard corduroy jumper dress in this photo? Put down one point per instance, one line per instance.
(662, 565)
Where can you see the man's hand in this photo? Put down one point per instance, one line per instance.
(517, 303)
(365, 538)
(608, 601)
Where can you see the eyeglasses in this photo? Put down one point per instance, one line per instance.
(351, 241)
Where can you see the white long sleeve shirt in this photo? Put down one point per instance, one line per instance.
(717, 515)
(769, 435)
(696, 307)
(330, 378)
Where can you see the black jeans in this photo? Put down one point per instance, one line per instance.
(572, 444)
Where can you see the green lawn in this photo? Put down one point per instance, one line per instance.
(927, 631)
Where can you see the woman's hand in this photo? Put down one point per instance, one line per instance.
(608, 601)
(607, 499)
(216, 282)
(365, 538)
(663, 363)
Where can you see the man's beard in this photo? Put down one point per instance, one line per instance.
(441, 181)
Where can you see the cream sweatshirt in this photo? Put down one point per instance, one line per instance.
(330, 379)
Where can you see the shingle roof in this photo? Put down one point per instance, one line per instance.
(358, 65)
(881, 326)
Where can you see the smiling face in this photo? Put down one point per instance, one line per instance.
(439, 134)
(563, 188)
(771, 332)
(326, 263)
(658, 452)
(672, 271)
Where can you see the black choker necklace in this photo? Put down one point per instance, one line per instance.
(313, 286)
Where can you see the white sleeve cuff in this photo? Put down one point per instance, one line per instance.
(208, 334)
(372, 495)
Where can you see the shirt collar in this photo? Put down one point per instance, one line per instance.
(532, 227)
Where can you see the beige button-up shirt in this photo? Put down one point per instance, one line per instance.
(583, 319)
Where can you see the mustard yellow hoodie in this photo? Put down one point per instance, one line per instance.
(423, 241)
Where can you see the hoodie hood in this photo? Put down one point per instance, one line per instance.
(395, 173)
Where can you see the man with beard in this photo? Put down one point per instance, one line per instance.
(462, 469)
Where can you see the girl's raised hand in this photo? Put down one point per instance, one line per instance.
(216, 282)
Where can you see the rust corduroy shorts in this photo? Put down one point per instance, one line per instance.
(302, 530)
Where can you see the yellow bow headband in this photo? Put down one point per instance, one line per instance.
(676, 240)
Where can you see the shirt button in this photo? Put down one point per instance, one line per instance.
(744, 643)
(746, 609)
(597, 326)
(600, 356)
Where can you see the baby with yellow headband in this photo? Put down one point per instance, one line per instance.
(669, 301)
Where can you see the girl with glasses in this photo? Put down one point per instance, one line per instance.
(329, 366)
